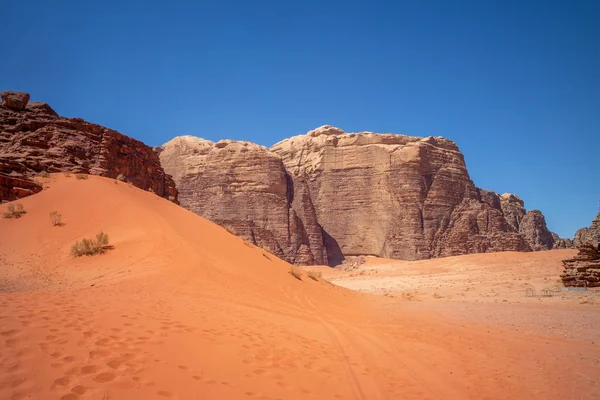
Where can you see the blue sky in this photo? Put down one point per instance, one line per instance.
(515, 83)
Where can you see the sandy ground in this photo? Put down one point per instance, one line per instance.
(181, 309)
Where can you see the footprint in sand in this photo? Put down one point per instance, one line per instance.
(89, 369)
(105, 377)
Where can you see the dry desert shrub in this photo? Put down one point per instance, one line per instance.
(315, 276)
(90, 247)
(44, 174)
(81, 176)
(296, 273)
(121, 177)
(14, 211)
(67, 175)
(56, 218)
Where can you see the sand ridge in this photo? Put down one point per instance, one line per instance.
(182, 309)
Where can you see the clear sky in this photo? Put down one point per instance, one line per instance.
(516, 84)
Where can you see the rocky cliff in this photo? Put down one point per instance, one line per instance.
(244, 187)
(33, 139)
(588, 234)
(327, 194)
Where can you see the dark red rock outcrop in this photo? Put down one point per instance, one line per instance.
(14, 100)
(33, 138)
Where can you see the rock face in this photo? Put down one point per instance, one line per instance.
(244, 187)
(534, 230)
(589, 234)
(33, 138)
(320, 197)
(513, 208)
(584, 269)
(396, 196)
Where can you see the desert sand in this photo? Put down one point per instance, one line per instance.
(181, 309)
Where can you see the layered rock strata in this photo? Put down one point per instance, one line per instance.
(325, 195)
(34, 139)
(584, 269)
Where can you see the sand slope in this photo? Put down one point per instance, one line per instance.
(181, 309)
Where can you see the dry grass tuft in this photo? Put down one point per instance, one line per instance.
(90, 247)
(81, 176)
(296, 273)
(315, 276)
(56, 218)
(14, 211)
(44, 174)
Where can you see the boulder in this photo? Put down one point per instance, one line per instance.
(16, 101)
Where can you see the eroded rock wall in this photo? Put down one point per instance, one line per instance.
(33, 139)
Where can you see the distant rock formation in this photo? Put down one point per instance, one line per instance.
(34, 139)
(589, 234)
(561, 243)
(320, 197)
(583, 269)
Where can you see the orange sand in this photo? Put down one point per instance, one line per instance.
(181, 309)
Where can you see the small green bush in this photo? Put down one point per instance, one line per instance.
(14, 211)
(296, 273)
(56, 218)
(90, 247)
(81, 176)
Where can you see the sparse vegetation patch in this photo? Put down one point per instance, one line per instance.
(81, 176)
(90, 247)
(56, 218)
(315, 276)
(121, 177)
(14, 211)
(296, 273)
(44, 174)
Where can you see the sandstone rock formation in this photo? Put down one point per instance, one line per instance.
(33, 138)
(534, 230)
(513, 208)
(588, 234)
(14, 100)
(584, 269)
(396, 196)
(561, 243)
(244, 187)
(325, 195)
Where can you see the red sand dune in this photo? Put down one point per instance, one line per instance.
(182, 309)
